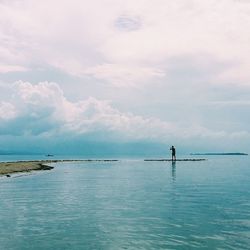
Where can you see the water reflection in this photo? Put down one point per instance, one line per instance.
(173, 170)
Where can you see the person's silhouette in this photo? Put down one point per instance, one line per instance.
(173, 153)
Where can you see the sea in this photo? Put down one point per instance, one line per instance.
(127, 204)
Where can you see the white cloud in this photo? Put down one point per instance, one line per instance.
(7, 111)
(83, 37)
(124, 75)
(180, 55)
(11, 68)
(43, 109)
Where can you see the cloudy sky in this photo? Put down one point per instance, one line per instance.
(128, 76)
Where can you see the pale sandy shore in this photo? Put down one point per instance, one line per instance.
(7, 168)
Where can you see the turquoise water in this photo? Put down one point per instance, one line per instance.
(130, 204)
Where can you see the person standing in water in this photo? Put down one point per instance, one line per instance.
(173, 153)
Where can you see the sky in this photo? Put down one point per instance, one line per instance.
(124, 77)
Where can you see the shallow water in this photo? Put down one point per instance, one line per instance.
(129, 205)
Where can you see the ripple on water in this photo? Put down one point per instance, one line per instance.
(127, 205)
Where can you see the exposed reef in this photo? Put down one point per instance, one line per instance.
(175, 160)
(7, 168)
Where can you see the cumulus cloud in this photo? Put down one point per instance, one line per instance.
(183, 62)
(42, 109)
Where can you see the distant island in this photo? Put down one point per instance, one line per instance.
(218, 154)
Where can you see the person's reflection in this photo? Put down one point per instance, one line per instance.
(173, 170)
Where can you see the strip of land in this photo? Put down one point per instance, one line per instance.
(22, 166)
(175, 160)
(7, 168)
(218, 154)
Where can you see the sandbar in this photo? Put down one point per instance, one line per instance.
(7, 168)
(196, 159)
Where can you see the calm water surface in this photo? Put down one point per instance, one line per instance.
(129, 205)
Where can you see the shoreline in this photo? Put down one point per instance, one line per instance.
(13, 167)
(7, 168)
(194, 159)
